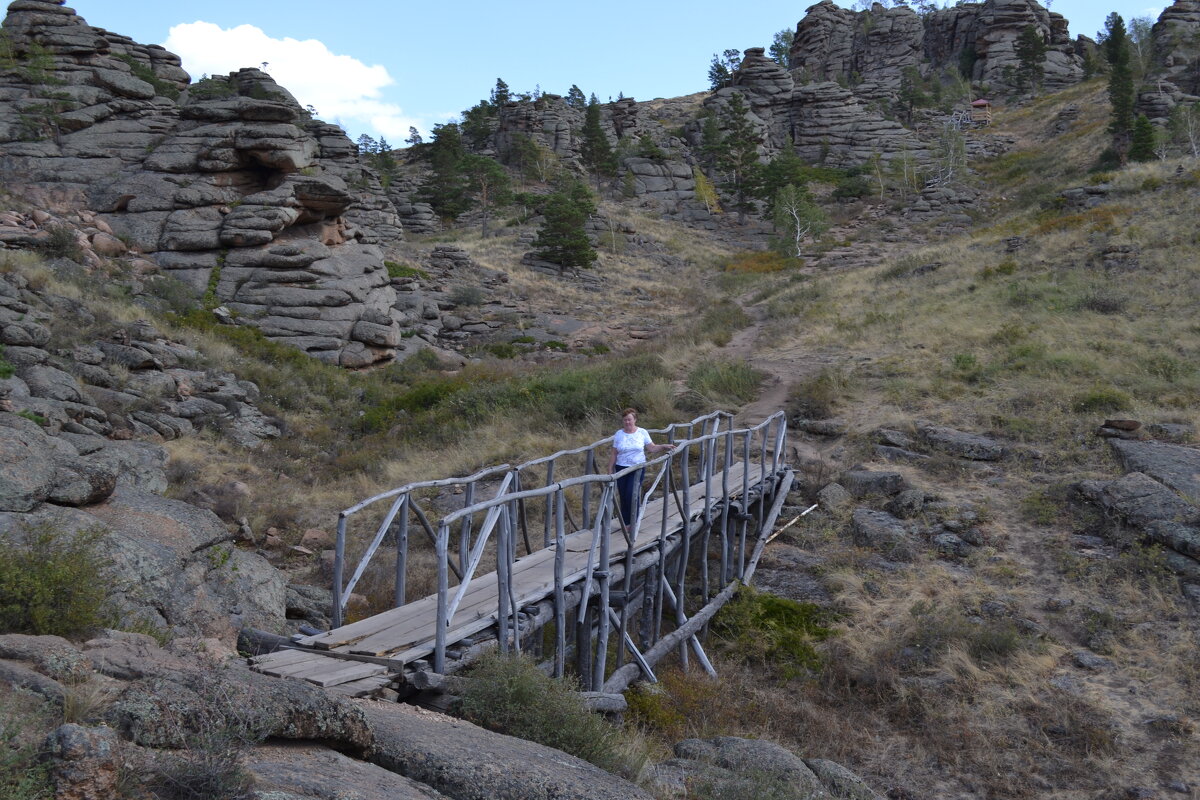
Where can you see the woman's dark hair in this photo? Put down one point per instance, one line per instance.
(626, 412)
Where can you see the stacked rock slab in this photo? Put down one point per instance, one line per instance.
(872, 48)
(1175, 77)
(227, 184)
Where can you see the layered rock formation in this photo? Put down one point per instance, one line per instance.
(870, 49)
(820, 122)
(226, 183)
(1175, 77)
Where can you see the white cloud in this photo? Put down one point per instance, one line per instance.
(341, 88)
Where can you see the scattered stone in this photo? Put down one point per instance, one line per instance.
(833, 497)
(907, 504)
(883, 532)
(964, 445)
(822, 427)
(1085, 659)
(1172, 431)
(861, 482)
(951, 545)
(84, 761)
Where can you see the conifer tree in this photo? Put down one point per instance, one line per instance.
(737, 153)
(595, 150)
(576, 98)
(446, 188)
(563, 238)
(781, 48)
(1031, 59)
(500, 94)
(1141, 147)
(1120, 84)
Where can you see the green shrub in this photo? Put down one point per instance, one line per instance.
(725, 381)
(817, 397)
(466, 295)
(61, 243)
(511, 695)
(53, 583)
(6, 369)
(851, 188)
(24, 720)
(502, 349)
(720, 321)
(937, 628)
(33, 417)
(523, 340)
(395, 270)
(554, 344)
(773, 632)
(1102, 399)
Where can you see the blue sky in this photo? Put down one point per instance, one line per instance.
(378, 67)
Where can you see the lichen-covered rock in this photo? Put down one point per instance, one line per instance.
(168, 710)
(27, 471)
(84, 761)
(466, 762)
(883, 532)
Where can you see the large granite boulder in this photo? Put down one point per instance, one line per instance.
(466, 762)
(172, 566)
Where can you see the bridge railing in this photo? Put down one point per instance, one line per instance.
(696, 460)
(410, 507)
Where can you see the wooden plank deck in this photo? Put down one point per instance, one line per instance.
(407, 633)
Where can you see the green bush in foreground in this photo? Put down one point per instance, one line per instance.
(773, 632)
(511, 695)
(53, 583)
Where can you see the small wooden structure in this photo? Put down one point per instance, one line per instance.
(981, 112)
(711, 503)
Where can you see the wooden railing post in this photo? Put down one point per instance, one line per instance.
(339, 565)
(560, 601)
(401, 555)
(589, 469)
(443, 573)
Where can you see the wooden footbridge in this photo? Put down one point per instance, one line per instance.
(589, 595)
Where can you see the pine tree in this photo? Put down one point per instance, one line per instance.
(737, 153)
(414, 137)
(722, 67)
(446, 188)
(595, 150)
(1143, 141)
(1120, 84)
(575, 98)
(1031, 59)
(563, 238)
(781, 48)
(500, 94)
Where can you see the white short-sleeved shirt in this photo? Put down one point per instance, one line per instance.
(631, 447)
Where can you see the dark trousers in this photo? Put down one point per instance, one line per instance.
(629, 490)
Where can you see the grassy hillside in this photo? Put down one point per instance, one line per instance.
(959, 678)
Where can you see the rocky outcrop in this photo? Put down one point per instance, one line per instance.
(1175, 75)
(870, 49)
(226, 184)
(1176, 46)
(1158, 497)
(831, 126)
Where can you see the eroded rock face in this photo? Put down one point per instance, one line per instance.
(227, 184)
(1176, 48)
(870, 49)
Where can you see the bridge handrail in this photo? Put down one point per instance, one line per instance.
(599, 477)
(607, 439)
(509, 491)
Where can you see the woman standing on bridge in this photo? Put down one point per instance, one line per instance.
(629, 449)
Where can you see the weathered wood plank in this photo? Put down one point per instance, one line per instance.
(406, 633)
